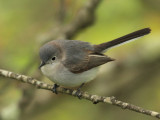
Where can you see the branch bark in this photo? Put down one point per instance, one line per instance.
(84, 95)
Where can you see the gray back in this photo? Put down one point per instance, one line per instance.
(74, 50)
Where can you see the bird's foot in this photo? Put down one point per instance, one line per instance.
(78, 93)
(55, 86)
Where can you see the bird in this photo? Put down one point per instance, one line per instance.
(72, 63)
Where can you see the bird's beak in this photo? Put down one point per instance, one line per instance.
(42, 64)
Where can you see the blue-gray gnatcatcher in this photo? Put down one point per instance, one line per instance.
(72, 63)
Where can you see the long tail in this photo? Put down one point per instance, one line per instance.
(129, 37)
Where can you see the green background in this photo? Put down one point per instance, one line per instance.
(134, 77)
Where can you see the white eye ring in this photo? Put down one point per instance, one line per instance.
(53, 58)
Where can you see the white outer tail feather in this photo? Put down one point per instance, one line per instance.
(122, 43)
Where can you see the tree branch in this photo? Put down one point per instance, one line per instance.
(84, 18)
(93, 98)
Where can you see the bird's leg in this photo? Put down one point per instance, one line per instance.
(78, 93)
(55, 86)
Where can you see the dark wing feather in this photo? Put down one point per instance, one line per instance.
(91, 61)
(79, 56)
(97, 60)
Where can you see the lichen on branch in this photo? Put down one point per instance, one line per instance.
(84, 95)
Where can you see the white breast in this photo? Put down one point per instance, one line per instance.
(62, 76)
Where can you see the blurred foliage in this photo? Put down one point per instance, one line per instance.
(22, 22)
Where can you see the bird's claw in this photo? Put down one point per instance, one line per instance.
(78, 93)
(55, 86)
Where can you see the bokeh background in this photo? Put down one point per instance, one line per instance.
(134, 77)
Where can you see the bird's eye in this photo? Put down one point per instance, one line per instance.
(53, 58)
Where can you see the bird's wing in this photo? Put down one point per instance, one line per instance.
(89, 61)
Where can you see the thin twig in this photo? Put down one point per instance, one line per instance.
(84, 95)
